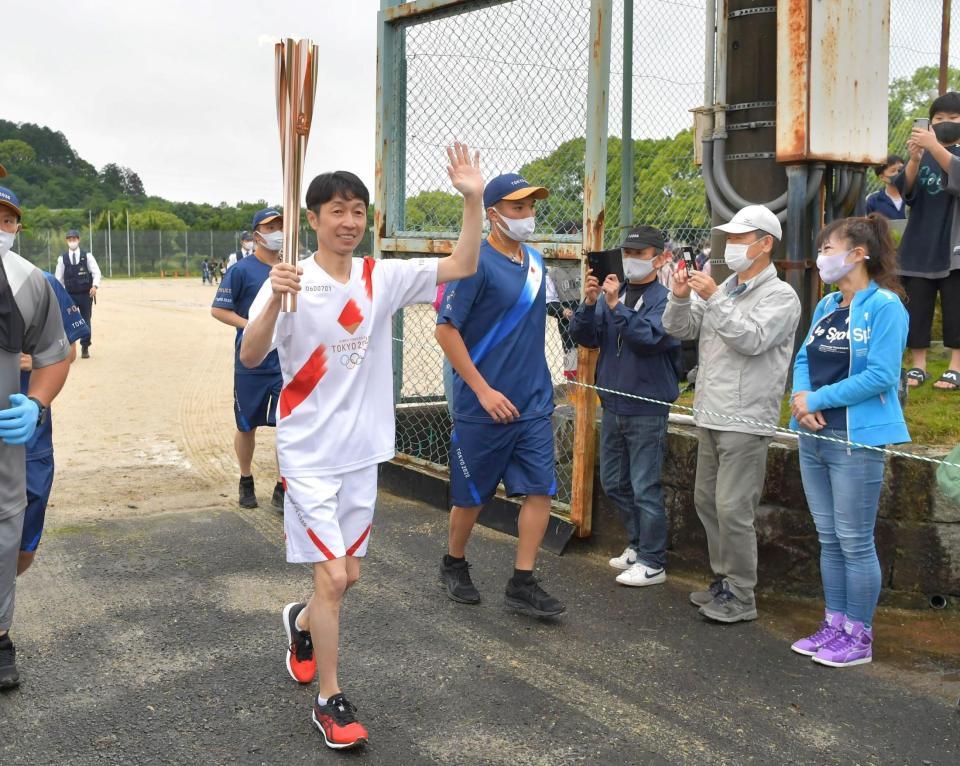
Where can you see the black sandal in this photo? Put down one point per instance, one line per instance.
(950, 376)
(920, 376)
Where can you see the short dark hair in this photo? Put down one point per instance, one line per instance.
(891, 160)
(948, 103)
(340, 183)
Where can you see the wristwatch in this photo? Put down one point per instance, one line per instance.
(42, 416)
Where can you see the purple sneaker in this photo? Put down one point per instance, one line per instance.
(829, 629)
(854, 646)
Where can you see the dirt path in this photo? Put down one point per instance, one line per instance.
(147, 421)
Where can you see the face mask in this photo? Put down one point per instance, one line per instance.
(273, 241)
(833, 268)
(947, 132)
(6, 242)
(73, 245)
(637, 269)
(518, 229)
(248, 246)
(736, 257)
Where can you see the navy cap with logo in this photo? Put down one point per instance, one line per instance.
(641, 237)
(73, 233)
(9, 199)
(511, 186)
(265, 216)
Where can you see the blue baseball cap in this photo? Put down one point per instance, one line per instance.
(265, 216)
(511, 186)
(9, 199)
(72, 233)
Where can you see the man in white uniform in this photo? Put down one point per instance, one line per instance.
(335, 419)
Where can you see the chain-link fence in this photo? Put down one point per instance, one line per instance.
(146, 253)
(915, 35)
(512, 80)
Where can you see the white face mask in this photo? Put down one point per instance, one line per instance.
(73, 245)
(6, 242)
(272, 241)
(635, 269)
(834, 267)
(248, 246)
(736, 257)
(518, 229)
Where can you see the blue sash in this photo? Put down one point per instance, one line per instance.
(510, 320)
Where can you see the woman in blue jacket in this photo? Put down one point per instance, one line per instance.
(845, 386)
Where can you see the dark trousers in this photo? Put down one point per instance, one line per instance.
(921, 304)
(85, 304)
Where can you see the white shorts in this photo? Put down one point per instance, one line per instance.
(329, 517)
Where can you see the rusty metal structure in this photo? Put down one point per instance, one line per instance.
(779, 89)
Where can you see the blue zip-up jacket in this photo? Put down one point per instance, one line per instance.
(637, 356)
(878, 336)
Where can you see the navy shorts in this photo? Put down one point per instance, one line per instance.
(483, 454)
(255, 400)
(39, 482)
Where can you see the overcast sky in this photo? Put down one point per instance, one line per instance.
(183, 93)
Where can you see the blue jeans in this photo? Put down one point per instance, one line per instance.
(631, 457)
(843, 490)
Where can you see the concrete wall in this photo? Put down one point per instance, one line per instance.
(918, 532)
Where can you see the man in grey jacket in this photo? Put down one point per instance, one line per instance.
(746, 328)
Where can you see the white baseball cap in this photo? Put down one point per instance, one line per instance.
(753, 218)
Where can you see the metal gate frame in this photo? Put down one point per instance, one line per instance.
(389, 195)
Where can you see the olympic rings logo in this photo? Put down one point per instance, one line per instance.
(351, 361)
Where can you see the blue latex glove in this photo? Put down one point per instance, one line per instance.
(18, 423)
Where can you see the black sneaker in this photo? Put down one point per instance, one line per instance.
(301, 663)
(530, 598)
(277, 501)
(455, 578)
(248, 496)
(337, 721)
(9, 675)
(84, 353)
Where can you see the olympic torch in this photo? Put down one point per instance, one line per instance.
(296, 79)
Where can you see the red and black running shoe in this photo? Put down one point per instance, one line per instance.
(338, 723)
(301, 664)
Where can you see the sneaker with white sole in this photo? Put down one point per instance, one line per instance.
(625, 560)
(640, 574)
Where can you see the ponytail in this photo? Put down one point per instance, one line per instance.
(873, 234)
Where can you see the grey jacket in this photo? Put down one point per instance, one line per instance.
(953, 186)
(746, 344)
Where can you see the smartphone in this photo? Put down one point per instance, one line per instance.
(605, 262)
(689, 260)
(921, 123)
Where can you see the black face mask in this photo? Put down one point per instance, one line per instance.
(947, 132)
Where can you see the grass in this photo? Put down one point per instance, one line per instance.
(933, 416)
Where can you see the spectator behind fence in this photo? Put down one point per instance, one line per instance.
(746, 328)
(636, 357)
(930, 248)
(845, 386)
(888, 201)
(562, 284)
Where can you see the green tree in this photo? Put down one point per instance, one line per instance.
(156, 220)
(13, 151)
(910, 97)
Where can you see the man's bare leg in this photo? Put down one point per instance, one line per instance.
(532, 526)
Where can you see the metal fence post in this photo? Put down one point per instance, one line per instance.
(594, 198)
(626, 134)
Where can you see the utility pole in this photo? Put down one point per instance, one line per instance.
(944, 48)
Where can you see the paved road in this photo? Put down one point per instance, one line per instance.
(156, 640)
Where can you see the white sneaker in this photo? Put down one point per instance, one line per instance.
(640, 574)
(625, 560)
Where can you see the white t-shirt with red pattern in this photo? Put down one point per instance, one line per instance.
(336, 410)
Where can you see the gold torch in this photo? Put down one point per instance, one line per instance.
(296, 76)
